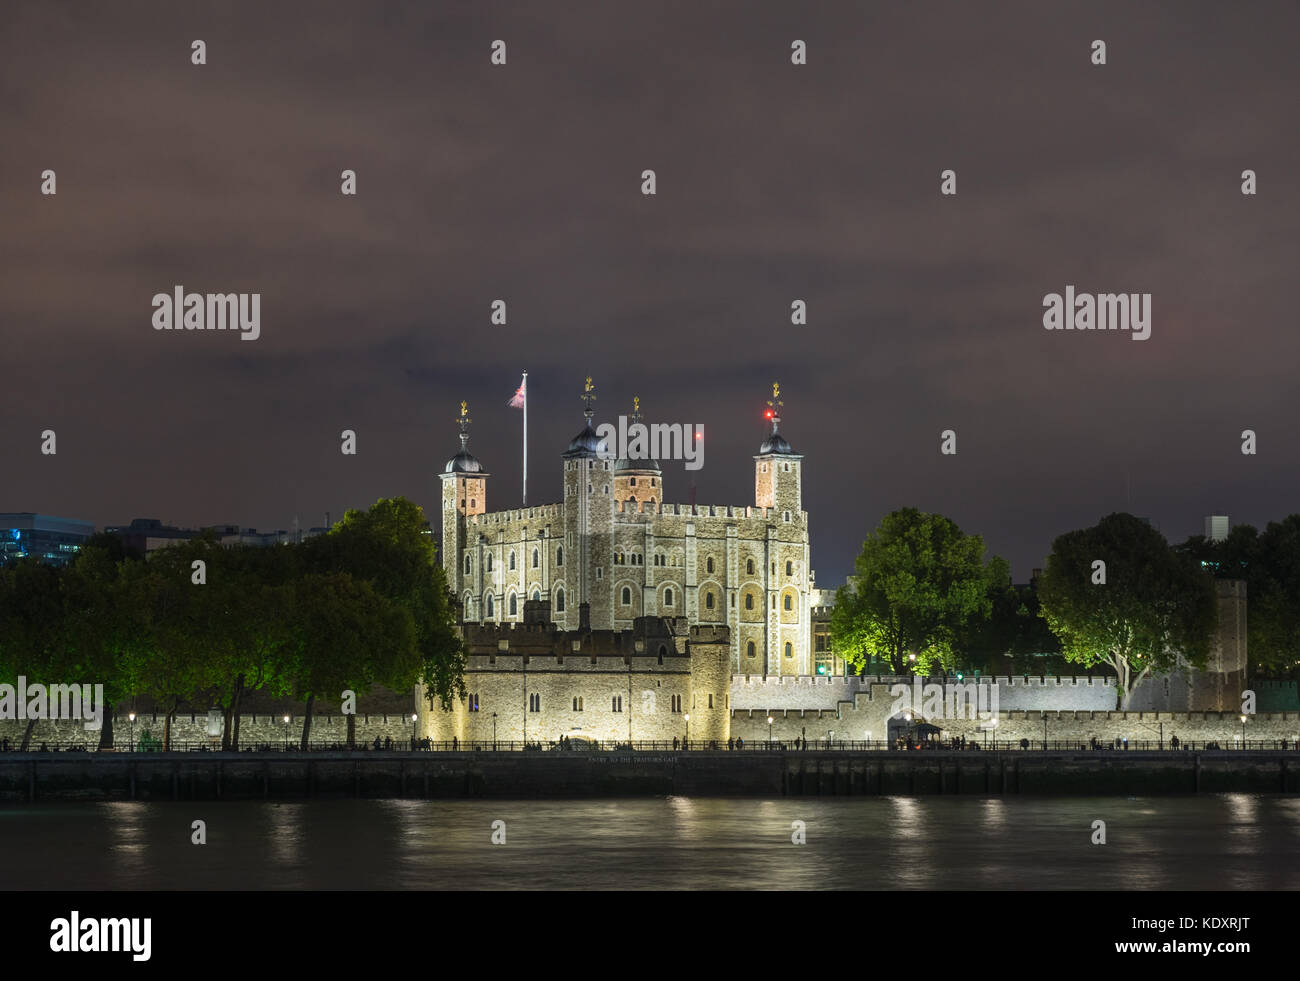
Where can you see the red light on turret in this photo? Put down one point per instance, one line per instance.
(769, 413)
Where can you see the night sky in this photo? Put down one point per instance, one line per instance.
(775, 182)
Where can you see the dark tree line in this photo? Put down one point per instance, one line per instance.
(925, 599)
(365, 604)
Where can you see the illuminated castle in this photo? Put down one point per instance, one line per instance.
(612, 551)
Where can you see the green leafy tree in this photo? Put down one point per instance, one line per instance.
(252, 637)
(387, 546)
(176, 625)
(920, 586)
(1269, 562)
(98, 627)
(1155, 607)
(32, 626)
(348, 636)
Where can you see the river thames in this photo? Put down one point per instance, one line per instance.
(1228, 842)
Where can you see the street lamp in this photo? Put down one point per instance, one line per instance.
(1243, 732)
(769, 732)
(131, 717)
(286, 732)
(688, 730)
(868, 739)
(994, 723)
(1044, 732)
(414, 718)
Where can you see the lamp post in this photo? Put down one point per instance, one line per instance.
(131, 717)
(687, 740)
(494, 731)
(868, 739)
(769, 732)
(286, 732)
(414, 719)
(1243, 732)
(994, 724)
(1044, 732)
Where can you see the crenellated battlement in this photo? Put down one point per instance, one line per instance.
(542, 511)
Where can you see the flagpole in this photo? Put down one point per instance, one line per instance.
(525, 388)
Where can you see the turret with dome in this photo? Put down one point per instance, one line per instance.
(612, 549)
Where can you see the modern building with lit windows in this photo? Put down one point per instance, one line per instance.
(55, 541)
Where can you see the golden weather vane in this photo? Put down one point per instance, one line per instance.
(775, 403)
(636, 408)
(463, 418)
(588, 395)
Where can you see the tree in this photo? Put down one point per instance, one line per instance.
(251, 632)
(32, 625)
(98, 627)
(348, 636)
(387, 546)
(920, 584)
(176, 626)
(1155, 606)
(1269, 562)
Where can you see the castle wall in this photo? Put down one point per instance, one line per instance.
(853, 723)
(827, 692)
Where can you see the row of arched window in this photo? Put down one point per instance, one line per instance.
(537, 559)
(489, 603)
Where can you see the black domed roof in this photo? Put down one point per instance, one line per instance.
(638, 464)
(586, 444)
(463, 462)
(775, 443)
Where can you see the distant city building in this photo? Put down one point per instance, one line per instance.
(55, 541)
(1216, 527)
(147, 534)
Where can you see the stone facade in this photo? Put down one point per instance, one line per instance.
(614, 546)
(531, 682)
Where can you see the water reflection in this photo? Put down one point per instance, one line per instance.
(1235, 841)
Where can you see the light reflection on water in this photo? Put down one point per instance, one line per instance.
(1230, 841)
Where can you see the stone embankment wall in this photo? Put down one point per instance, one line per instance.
(427, 775)
(193, 730)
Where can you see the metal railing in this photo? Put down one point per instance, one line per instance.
(733, 745)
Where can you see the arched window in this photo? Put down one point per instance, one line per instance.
(489, 562)
(467, 566)
(627, 596)
(512, 560)
(789, 568)
(708, 565)
(559, 555)
(559, 601)
(618, 558)
(789, 602)
(668, 597)
(537, 593)
(488, 606)
(749, 649)
(514, 605)
(749, 567)
(708, 601)
(789, 649)
(536, 558)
